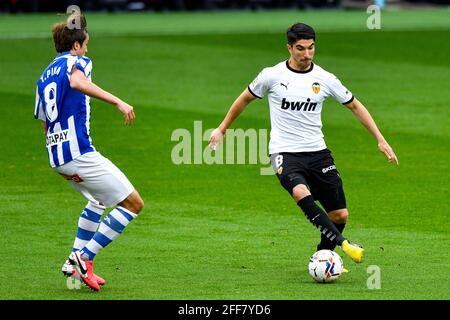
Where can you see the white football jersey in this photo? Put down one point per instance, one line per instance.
(295, 101)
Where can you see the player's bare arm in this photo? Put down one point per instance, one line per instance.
(366, 119)
(81, 83)
(235, 110)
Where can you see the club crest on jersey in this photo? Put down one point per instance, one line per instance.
(316, 87)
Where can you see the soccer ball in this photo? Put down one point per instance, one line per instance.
(325, 266)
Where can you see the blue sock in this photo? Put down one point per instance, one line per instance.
(87, 224)
(110, 228)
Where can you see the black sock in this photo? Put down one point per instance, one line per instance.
(320, 219)
(325, 243)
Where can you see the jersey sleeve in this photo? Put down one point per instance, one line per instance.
(83, 64)
(38, 107)
(339, 92)
(260, 85)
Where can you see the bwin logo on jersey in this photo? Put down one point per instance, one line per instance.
(298, 105)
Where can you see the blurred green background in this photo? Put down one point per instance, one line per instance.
(225, 231)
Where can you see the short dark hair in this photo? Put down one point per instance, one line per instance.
(64, 36)
(300, 31)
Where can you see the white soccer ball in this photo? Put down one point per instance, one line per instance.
(325, 266)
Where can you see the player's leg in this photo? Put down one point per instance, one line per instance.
(339, 218)
(113, 224)
(327, 187)
(332, 199)
(291, 170)
(88, 221)
(90, 216)
(88, 224)
(133, 202)
(318, 217)
(111, 187)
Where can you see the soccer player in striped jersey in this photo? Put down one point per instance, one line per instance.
(296, 89)
(63, 97)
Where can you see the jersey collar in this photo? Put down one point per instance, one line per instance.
(63, 54)
(297, 71)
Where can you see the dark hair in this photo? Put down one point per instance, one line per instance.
(300, 31)
(67, 32)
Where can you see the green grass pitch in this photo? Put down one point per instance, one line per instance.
(224, 231)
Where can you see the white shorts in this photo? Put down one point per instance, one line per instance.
(97, 179)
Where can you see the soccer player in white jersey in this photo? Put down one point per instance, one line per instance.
(63, 104)
(296, 89)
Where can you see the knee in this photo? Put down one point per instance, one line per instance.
(339, 216)
(134, 203)
(141, 204)
(300, 191)
(138, 205)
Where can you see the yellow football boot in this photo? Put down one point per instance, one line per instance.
(353, 250)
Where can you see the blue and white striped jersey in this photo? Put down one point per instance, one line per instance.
(66, 111)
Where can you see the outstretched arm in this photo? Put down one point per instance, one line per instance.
(366, 119)
(79, 82)
(235, 110)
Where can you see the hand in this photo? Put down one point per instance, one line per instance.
(215, 138)
(387, 150)
(127, 111)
